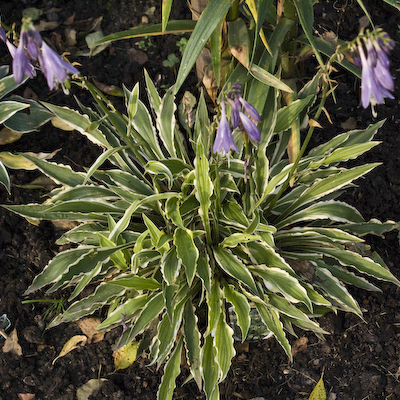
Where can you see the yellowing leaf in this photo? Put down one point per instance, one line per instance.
(319, 392)
(73, 343)
(88, 327)
(60, 124)
(11, 344)
(125, 356)
(9, 136)
(86, 390)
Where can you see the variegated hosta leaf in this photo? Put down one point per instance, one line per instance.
(277, 280)
(336, 290)
(171, 371)
(271, 319)
(224, 344)
(153, 307)
(103, 295)
(127, 308)
(241, 307)
(170, 265)
(209, 368)
(187, 252)
(192, 337)
(234, 267)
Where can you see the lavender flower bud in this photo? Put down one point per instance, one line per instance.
(250, 127)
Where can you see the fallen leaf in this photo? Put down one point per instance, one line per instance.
(364, 22)
(319, 392)
(125, 356)
(46, 26)
(8, 136)
(88, 327)
(299, 345)
(86, 390)
(70, 36)
(11, 344)
(350, 123)
(74, 343)
(139, 56)
(240, 53)
(25, 396)
(109, 89)
(64, 225)
(70, 20)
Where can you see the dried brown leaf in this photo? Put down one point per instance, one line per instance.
(299, 345)
(349, 124)
(88, 327)
(25, 396)
(11, 344)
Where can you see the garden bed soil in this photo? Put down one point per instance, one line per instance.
(360, 359)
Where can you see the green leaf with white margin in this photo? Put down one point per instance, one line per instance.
(204, 270)
(277, 280)
(145, 131)
(123, 223)
(271, 318)
(234, 267)
(284, 306)
(166, 333)
(334, 210)
(344, 154)
(224, 344)
(166, 9)
(103, 295)
(61, 174)
(191, 335)
(79, 122)
(329, 185)
(351, 278)
(210, 18)
(336, 290)
(202, 124)
(171, 371)
(241, 307)
(4, 178)
(373, 226)
(210, 369)
(268, 79)
(9, 108)
(85, 280)
(203, 184)
(128, 307)
(16, 161)
(132, 281)
(127, 180)
(170, 265)
(86, 264)
(57, 267)
(172, 211)
(215, 305)
(100, 160)
(236, 238)
(286, 115)
(8, 84)
(154, 98)
(305, 12)
(158, 168)
(167, 121)
(267, 255)
(153, 307)
(187, 252)
(362, 264)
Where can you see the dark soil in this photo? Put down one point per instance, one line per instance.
(359, 360)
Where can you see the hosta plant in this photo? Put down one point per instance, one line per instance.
(174, 236)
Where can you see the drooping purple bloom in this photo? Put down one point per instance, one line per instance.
(224, 139)
(3, 35)
(250, 128)
(32, 48)
(376, 80)
(250, 109)
(54, 67)
(26, 66)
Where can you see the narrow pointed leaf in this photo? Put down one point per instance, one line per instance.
(224, 344)
(187, 252)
